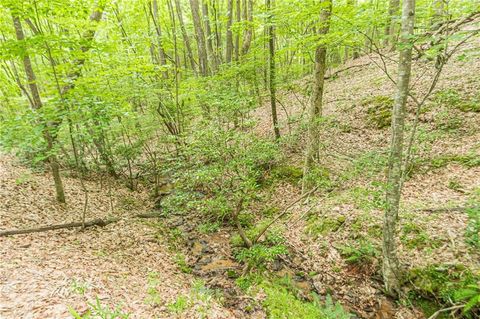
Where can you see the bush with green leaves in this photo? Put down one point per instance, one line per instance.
(218, 170)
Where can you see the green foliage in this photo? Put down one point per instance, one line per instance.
(319, 177)
(179, 305)
(282, 303)
(98, 311)
(182, 263)
(153, 297)
(413, 236)
(452, 99)
(259, 255)
(209, 228)
(361, 253)
(379, 111)
(472, 234)
(440, 281)
(471, 295)
(318, 226)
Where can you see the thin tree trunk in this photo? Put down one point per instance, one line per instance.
(200, 37)
(229, 47)
(186, 39)
(208, 31)
(36, 103)
(158, 30)
(393, 192)
(237, 35)
(391, 26)
(316, 105)
(272, 71)
(247, 38)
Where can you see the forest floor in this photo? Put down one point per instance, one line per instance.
(137, 266)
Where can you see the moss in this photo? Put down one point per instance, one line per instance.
(424, 165)
(317, 227)
(288, 173)
(379, 111)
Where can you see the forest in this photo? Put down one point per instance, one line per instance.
(281, 159)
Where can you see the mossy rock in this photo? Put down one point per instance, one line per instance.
(288, 173)
(379, 111)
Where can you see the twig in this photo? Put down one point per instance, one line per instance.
(444, 310)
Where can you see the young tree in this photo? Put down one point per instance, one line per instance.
(200, 36)
(272, 70)
(315, 111)
(247, 38)
(394, 180)
(36, 103)
(229, 47)
(186, 38)
(392, 22)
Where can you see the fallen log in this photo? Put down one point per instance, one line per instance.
(95, 222)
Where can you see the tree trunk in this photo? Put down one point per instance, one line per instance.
(392, 22)
(316, 105)
(158, 30)
(229, 48)
(200, 37)
(36, 103)
(237, 35)
(393, 192)
(247, 38)
(208, 31)
(271, 60)
(186, 39)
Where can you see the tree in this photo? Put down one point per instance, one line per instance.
(229, 47)
(395, 162)
(36, 103)
(316, 104)
(272, 70)
(247, 38)
(200, 36)
(186, 38)
(392, 22)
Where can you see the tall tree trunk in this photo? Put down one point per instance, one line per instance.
(158, 30)
(316, 105)
(229, 48)
(393, 192)
(391, 26)
(186, 39)
(36, 103)
(247, 37)
(272, 70)
(200, 37)
(237, 35)
(208, 31)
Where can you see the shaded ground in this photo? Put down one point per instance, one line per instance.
(43, 274)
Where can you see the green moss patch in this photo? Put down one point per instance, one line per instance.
(379, 111)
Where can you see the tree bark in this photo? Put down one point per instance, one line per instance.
(186, 39)
(200, 37)
(36, 103)
(390, 267)
(247, 38)
(237, 35)
(229, 47)
(316, 105)
(208, 31)
(272, 70)
(158, 30)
